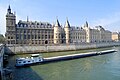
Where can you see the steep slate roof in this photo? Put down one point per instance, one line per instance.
(67, 24)
(30, 24)
(57, 23)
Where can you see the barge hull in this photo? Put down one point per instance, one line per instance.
(70, 57)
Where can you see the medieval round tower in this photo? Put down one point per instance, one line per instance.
(57, 33)
(67, 31)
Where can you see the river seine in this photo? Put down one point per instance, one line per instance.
(102, 67)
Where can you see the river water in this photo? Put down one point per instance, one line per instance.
(102, 67)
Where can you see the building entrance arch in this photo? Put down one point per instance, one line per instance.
(46, 41)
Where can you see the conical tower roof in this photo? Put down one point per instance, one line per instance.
(67, 24)
(9, 9)
(57, 23)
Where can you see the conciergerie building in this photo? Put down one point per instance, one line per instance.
(41, 33)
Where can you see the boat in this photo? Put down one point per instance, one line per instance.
(36, 58)
(33, 59)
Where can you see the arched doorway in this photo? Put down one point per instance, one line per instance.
(46, 42)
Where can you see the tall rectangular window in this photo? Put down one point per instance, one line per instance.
(32, 36)
(28, 36)
(45, 36)
(17, 36)
(35, 36)
(24, 36)
(38, 36)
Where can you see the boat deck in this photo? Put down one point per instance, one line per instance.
(75, 56)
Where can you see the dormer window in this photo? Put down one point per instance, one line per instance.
(37, 23)
(32, 23)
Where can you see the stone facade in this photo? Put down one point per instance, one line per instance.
(115, 36)
(43, 33)
(99, 34)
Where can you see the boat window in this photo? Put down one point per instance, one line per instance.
(19, 62)
(28, 61)
(24, 62)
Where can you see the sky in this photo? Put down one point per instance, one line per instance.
(96, 12)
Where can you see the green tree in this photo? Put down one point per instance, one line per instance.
(2, 38)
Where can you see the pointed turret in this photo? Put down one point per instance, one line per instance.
(87, 31)
(67, 25)
(57, 33)
(86, 24)
(9, 10)
(67, 31)
(57, 24)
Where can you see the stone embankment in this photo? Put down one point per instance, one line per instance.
(62, 47)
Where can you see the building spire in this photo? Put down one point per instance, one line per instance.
(9, 9)
(57, 23)
(27, 19)
(86, 24)
(67, 23)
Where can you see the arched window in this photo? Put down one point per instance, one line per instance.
(46, 42)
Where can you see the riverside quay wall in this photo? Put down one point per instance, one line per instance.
(14, 49)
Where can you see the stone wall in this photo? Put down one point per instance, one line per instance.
(48, 48)
(1, 62)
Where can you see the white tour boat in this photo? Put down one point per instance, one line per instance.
(34, 58)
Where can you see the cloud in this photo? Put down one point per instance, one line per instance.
(111, 21)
